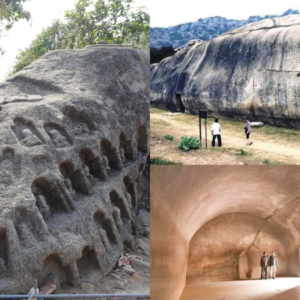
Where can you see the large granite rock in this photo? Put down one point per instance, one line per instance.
(73, 146)
(253, 70)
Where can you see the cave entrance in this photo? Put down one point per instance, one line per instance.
(179, 103)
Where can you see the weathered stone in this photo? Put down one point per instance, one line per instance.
(193, 42)
(88, 288)
(144, 247)
(251, 71)
(63, 208)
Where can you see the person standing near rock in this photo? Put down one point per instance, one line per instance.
(273, 263)
(216, 133)
(264, 266)
(248, 132)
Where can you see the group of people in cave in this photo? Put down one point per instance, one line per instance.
(268, 262)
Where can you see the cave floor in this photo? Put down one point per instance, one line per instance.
(278, 289)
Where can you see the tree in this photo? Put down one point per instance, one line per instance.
(10, 12)
(90, 22)
(52, 38)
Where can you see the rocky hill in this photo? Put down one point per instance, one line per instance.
(252, 70)
(203, 29)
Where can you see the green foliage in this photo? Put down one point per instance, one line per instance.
(90, 22)
(52, 38)
(10, 12)
(157, 55)
(189, 143)
(169, 137)
(242, 152)
(266, 161)
(160, 161)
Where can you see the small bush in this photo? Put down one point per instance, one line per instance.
(159, 161)
(266, 161)
(298, 74)
(169, 137)
(189, 143)
(242, 152)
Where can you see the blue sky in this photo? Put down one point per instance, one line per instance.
(166, 13)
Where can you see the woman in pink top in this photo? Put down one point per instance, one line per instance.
(248, 132)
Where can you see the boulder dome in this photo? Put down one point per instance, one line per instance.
(253, 70)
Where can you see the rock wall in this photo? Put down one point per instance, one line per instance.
(73, 146)
(252, 70)
(227, 216)
(230, 246)
(169, 259)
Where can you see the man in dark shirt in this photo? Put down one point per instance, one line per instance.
(264, 266)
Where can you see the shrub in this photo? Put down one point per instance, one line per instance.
(298, 74)
(188, 143)
(169, 137)
(266, 161)
(242, 152)
(159, 161)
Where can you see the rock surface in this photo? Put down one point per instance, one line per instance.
(73, 146)
(252, 70)
(209, 239)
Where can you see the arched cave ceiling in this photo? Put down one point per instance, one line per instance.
(194, 195)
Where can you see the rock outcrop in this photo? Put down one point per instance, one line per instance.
(73, 146)
(253, 70)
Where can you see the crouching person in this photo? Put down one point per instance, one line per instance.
(273, 263)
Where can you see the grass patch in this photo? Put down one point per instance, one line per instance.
(242, 152)
(169, 137)
(158, 122)
(279, 133)
(217, 149)
(189, 143)
(160, 161)
(156, 110)
(267, 161)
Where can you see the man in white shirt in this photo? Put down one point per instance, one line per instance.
(216, 133)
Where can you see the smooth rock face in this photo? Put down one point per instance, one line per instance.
(211, 251)
(73, 145)
(217, 221)
(253, 70)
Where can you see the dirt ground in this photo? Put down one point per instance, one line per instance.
(271, 145)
